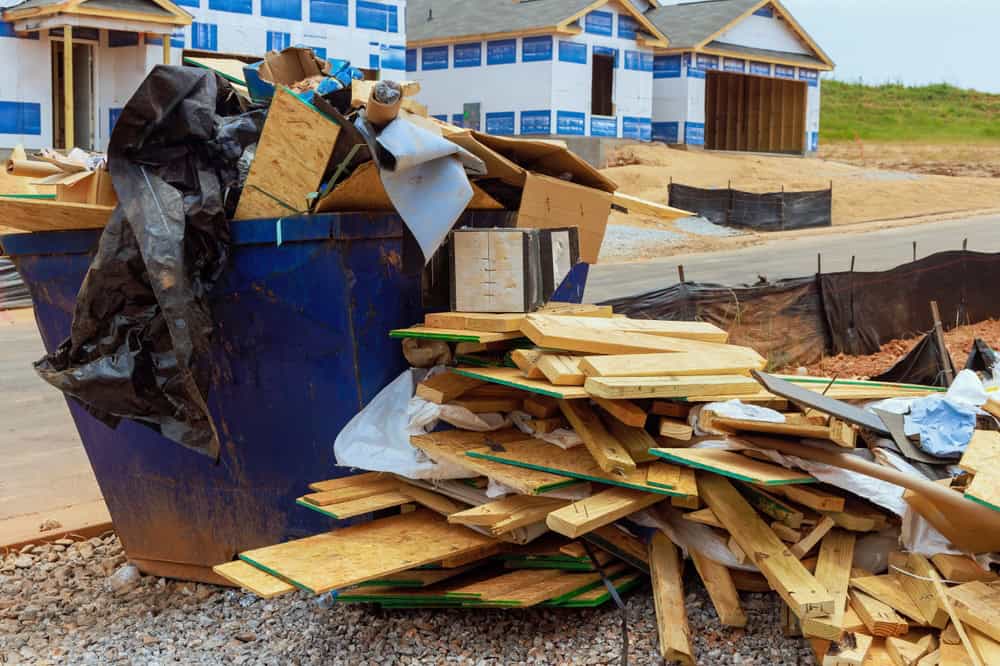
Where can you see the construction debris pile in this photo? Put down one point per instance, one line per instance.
(585, 453)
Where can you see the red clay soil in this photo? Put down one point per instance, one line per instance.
(959, 342)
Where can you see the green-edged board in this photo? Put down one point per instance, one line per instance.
(734, 466)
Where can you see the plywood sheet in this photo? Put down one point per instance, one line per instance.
(249, 577)
(50, 215)
(352, 555)
(734, 465)
(513, 377)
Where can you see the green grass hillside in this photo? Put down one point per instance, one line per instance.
(893, 112)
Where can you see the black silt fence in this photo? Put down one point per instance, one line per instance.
(770, 211)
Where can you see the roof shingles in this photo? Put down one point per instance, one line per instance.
(452, 19)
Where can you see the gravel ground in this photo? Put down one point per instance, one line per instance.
(57, 606)
(702, 227)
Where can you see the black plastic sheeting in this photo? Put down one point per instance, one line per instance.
(771, 211)
(866, 310)
(982, 358)
(13, 291)
(797, 321)
(138, 346)
(923, 365)
(783, 320)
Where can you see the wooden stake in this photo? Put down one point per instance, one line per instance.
(949, 372)
(668, 598)
(166, 48)
(68, 86)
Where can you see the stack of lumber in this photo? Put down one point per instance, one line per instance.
(580, 524)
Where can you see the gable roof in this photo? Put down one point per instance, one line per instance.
(442, 21)
(156, 11)
(695, 25)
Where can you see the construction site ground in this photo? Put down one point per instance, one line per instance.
(877, 185)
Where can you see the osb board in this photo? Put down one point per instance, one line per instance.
(513, 377)
(352, 555)
(734, 465)
(451, 445)
(578, 463)
(251, 578)
(363, 191)
(49, 215)
(292, 155)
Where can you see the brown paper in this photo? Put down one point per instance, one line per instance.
(31, 168)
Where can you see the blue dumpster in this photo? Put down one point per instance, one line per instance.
(301, 344)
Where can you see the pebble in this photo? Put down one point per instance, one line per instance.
(74, 616)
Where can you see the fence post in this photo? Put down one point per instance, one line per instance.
(782, 207)
(680, 273)
(914, 250)
(819, 263)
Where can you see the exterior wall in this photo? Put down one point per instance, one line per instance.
(679, 95)
(541, 85)
(369, 34)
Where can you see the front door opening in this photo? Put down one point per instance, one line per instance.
(602, 86)
(83, 96)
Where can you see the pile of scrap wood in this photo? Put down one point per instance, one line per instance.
(637, 442)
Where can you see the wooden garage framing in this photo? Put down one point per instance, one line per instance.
(754, 113)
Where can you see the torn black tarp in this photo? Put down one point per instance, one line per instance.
(923, 365)
(138, 346)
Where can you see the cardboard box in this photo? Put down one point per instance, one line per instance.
(496, 270)
(282, 69)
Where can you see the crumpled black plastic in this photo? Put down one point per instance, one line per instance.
(138, 346)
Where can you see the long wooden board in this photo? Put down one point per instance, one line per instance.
(452, 446)
(452, 335)
(675, 365)
(513, 377)
(599, 509)
(668, 599)
(721, 386)
(562, 333)
(734, 465)
(354, 554)
(801, 591)
(610, 455)
(686, 330)
(510, 322)
(833, 572)
(50, 215)
(578, 463)
(721, 590)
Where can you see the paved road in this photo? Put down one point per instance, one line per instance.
(875, 250)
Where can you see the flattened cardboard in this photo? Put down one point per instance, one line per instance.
(550, 203)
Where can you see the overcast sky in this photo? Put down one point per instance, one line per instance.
(913, 41)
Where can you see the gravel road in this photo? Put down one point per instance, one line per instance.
(57, 607)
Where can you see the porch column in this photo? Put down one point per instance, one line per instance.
(166, 47)
(68, 85)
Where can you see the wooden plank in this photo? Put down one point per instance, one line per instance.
(349, 492)
(687, 330)
(988, 649)
(508, 512)
(838, 432)
(906, 653)
(294, 150)
(354, 554)
(451, 335)
(432, 500)
(668, 387)
(812, 497)
(525, 360)
(961, 568)
(985, 489)
(731, 361)
(624, 411)
(543, 426)
(452, 445)
(359, 506)
(833, 572)
(559, 587)
(978, 605)
(610, 455)
(621, 544)
(476, 321)
(786, 574)
(922, 591)
(350, 481)
(50, 215)
(668, 599)
(919, 565)
(678, 410)
(786, 533)
(635, 440)
(564, 333)
(675, 429)
(734, 465)
(850, 650)
(802, 548)
(561, 370)
(598, 510)
(889, 590)
(512, 377)
(537, 455)
(445, 387)
(774, 507)
(540, 406)
(488, 405)
(704, 517)
(880, 619)
(637, 206)
(721, 590)
(250, 578)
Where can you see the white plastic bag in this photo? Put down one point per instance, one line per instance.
(378, 437)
